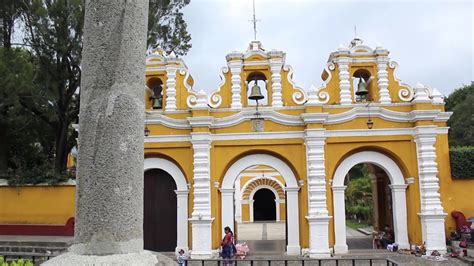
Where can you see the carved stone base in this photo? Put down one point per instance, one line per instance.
(70, 259)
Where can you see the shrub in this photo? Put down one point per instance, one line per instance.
(462, 162)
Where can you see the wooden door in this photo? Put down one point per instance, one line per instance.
(159, 221)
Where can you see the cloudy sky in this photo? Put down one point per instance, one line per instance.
(431, 40)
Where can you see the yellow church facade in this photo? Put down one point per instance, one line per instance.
(209, 157)
(310, 138)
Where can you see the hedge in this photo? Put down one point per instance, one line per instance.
(462, 162)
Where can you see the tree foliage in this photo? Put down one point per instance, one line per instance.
(359, 194)
(461, 123)
(40, 82)
(166, 26)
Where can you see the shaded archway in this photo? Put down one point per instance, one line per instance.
(180, 195)
(397, 188)
(160, 211)
(264, 208)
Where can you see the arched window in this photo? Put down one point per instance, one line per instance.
(362, 85)
(259, 79)
(156, 86)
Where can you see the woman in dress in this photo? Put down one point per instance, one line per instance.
(227, 246)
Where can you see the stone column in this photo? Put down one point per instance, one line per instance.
(318, 217)
(182, 220)
(432, 214)
(382, 76)
(201, 220)
(109, 197)
(171, 87)
(235, 69)
(293, 247)
(340, 245)
(276, 65)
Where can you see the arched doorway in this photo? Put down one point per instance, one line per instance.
(180, 194)
(160, 210)
(264, 208)
(291, 199)
(368, 204)
(398, 195)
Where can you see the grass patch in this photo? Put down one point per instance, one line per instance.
(356, 225)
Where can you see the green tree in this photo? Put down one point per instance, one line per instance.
(359, 193)
(40, 82)
(461, 123)
(166, 26)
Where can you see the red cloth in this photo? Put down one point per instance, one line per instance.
(460, 220)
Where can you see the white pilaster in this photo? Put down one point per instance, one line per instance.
(344, 80)
(400, 218)
(201, 217)
(251, 210)
(171, 87)
(339, 219)
(238, 201)
(276, 65)
(227, 208)
(277, 206)
(182, 220)
(318, 217)
(432, 214)
(293, 236)
(235, 69)
(382, 80)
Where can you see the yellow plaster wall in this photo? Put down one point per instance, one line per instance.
(37, 204)
(456, 194)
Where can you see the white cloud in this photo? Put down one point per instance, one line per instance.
(431, 40)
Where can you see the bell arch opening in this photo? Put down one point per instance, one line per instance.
(257, 85)
(156, 98)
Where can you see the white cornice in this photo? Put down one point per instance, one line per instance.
(300, 120)
(433, 130)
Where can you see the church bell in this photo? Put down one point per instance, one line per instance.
(362, 88)
(157, 102)
(256, 94)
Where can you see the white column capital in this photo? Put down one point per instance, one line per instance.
(292, 190)
(399, 187)
(227, 190)
(181, 193)
(339, 188)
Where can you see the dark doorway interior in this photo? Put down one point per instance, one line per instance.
(159, 221)
(264, 208)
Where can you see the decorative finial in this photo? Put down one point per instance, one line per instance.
(355, 32)
(254, 21)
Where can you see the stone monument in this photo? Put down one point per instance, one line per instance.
(109, 197)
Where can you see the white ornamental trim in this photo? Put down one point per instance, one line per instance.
(315, 142)
(201, 143)
(406, 93)
(215, 99)
(298, 97)
(170, 87)
(276, 67)
(236, 69)
(344, 84)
